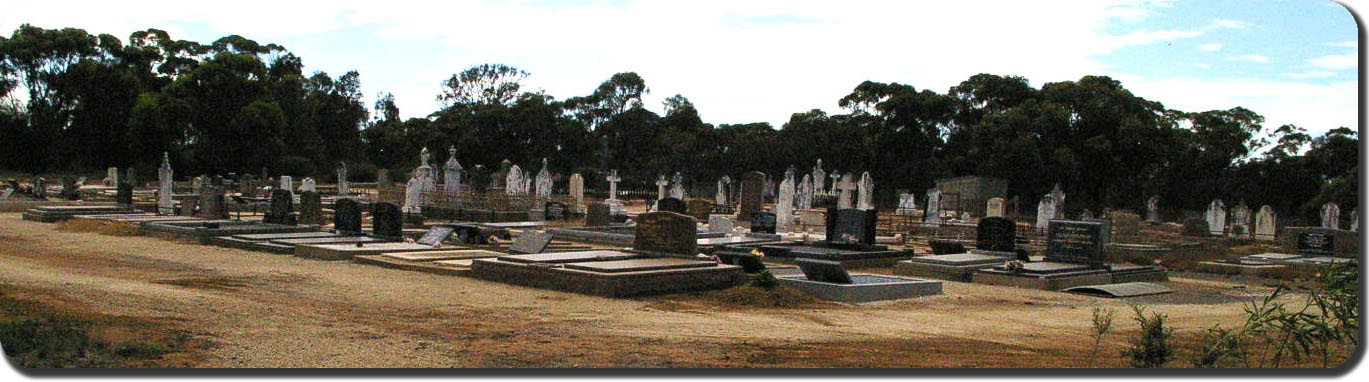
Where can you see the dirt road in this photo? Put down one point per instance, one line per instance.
(263, 310)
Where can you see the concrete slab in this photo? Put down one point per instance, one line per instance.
(442, 255)
(569, 257)
(640, 265)
(1120, 290)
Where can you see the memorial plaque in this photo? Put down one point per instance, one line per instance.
(311, 208)
(1316, 243)
(436, 235)
(531, 242)
(347, 216)
(672, 205)
(763, 222)
(996, 234)
(666, 232)
(596, 215)
(700, 208)
(851, 226)
(752, 198)
(824, 271)
(1078, 242)
(555, 211)
(387, 221)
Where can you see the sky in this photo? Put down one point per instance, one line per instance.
(1292, 61)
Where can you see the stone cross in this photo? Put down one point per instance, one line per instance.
(836, 178)
(165, 206)
(845, 188)
(661, 183)
(613, 180)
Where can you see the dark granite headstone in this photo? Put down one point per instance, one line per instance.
(387, 221)
(311, 208)
(124, 194)
(436, 235)
(763, 222)
(699, 208)
(69, 189)
(996, 234)
(666, 232)
(531, 241)
(555, 211)
(480, 179)
(752, 198)
(211, 203)
(1077, 242)
(946, 247)
(597, 215)
(347, 216)
(282, 203)
(851, 226)
(1316, 243)
(40, 189)
(672, 205)
(824, 271)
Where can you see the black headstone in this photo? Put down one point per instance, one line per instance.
(752, 197)
(597, 215)
(763, 222)
(945, 247)
(311, 208)
(531, 241)
(824, 271)
(387, 221)
(1316, 244)
(436, 235)
(282, 203)
(666, 232)
(996, 234)
(69, 189)
(347, 216)
(40, 189)
(124, 194)
(851, 226)
(672, 205)
(1077, 242)
(555, 211)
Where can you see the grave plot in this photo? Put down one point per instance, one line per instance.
(608, 273)
(137, 220)
(431, 240)
(248, 241)
(995, 243)
(204, 230)
(850, 240)
(1074, 257)
(445, 262)
(53, 214)
(828, 280)
(1314, 249)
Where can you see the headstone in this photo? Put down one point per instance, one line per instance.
(932, 216)
(343, 188)
(851, 226)
(666, 232)
(672, 205)
(812, 219)
(1076, 242)
(513, 182)
(69, 189)
(436, 235)
(784, 204)
(501, 175)
(1153, 209)
(719, 224)
(347, 216)
(124, 195)
(531, 241)
(383, 178)
(818, 178)
(996, 234)
(994, 208)
(763, 222)
(1216, 218)
(1045, 212)
(1240, 221)
(387, 221)
(1126, 224)
(866, 190)
(286, 182)
(1058, 196)
(40, 188)
(189, 207)
(1330, 215)
(945, 247)
(307, 184)
(165, 182)
(907, 204)
(826, 271)
(555, 211)
(543, 181)
(282, 202)
(846, 189)
(212, 204)
(596, 215)
(699, 208)
(451, 174)
(1264, 224)
(112, 174)
(577, 191)
(413, 196)
(752, 198)
(720, 196)
(661, 184)
(677, 186)
(310, 208)
(1316, 244)
(480, 179)
(196, 183)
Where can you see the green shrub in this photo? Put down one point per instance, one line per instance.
(1150, 348)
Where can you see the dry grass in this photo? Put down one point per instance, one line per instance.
(100, 227)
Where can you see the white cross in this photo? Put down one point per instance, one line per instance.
(613, 180)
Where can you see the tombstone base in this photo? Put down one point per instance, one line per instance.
(864, 288)
(954, 267)
(608, 273)
(52, 214)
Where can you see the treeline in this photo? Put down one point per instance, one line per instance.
(80, 101)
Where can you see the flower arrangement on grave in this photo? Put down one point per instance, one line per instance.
(757, 253)
(1014, 266)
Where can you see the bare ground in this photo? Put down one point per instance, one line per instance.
(257, 309)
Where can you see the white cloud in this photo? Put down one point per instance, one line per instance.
(1336, 61)
(1310, 74)
(1210, 47)
(1202, 66)
(1252, 58)
(1316, 107)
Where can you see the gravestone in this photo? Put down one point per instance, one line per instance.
(666, 232)
(347, 216)
(1240, 221)
(69, 189)
(555, 211)
(40, 188)
(846, 189)
(699, 208)
(804, 196)
(383, 178)
(342, 187)
(719, 224)
(577, 191)
(996, 234)
(1045, 212)
(784, 204)
(672, 205)
(282, 202)
(994, 208)
(112, 175)
(851, 226)
(436, 235)
(597, 214)
(763, 222)
(932, 216)
(1316, 244)
(1264, 224)
(531, 241)
(1216, 218)
(677, 186)
(286, 182)
(865, 192)
(752, 199)
(387, 221)
(826, 271)
(311, 208)
(1153, 209)
(1076, 242)
(165, 205)
(6, 193)
(945, 247)
(907, 205)
(212, 204)
(1126, 224)
(480, 179)
(1330, 215)
(720, 195)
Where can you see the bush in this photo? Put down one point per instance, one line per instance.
(1151, 346)
(765, 279)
